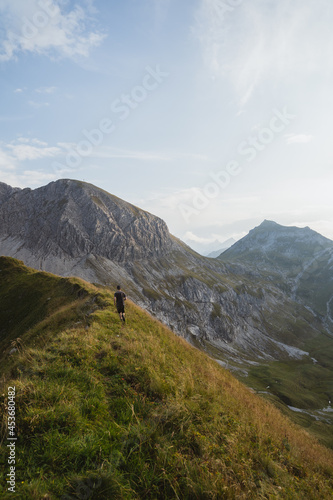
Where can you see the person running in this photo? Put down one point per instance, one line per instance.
(119, 302)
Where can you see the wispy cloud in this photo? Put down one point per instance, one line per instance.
(46, 90)
(15, 155)
(14, 118)
(298, 138)
(7, 162)
(28, 149)
(47, 29)
(27, 178)
(108, 152)
(38, 105)
(190, 236)
(260, 42)
(26, 140)
(111, 152)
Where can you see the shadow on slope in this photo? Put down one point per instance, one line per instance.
(29, 298)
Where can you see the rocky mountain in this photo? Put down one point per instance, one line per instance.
(67, 219)
(73, 228)
(299, 261)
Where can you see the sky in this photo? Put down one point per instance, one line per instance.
(211, 114)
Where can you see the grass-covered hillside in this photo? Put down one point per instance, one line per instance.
(112, 411)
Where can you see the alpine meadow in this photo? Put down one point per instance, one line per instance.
(113, 411)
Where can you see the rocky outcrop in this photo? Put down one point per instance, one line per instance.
(6, 192)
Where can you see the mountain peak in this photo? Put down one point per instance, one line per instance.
(269, 224)
(72, 219)
(271, 243)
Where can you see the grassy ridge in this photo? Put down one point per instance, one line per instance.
(107, 411)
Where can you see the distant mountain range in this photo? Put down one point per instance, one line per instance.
(222, 248)
(211, 250)
(267, 298)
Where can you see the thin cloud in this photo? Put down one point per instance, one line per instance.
(38, 105)
(298, 138)
(27, 178)
(259, 42)
(30, 149)
(125, 154)
(50, 31)
(46, 90)
(7, 162)
(14, 118)
(37, 142)
(190, 236)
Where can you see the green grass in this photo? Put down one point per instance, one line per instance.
(113, 411)
(299, 384)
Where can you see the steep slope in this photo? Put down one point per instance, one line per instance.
(128, 412)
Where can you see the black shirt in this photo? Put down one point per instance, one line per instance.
(120, 296)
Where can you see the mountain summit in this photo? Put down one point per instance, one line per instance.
(68, 220)
(271, 241)
(299, 260)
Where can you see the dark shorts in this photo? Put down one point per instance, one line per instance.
(121, 309)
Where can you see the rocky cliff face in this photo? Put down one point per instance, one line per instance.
(6, 192)
(73, 228)
(69, 219)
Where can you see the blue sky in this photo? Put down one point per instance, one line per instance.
(212, 114)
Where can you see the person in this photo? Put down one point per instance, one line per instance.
(119, 302)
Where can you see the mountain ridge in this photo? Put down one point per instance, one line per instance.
(239, 314)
